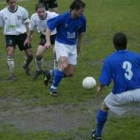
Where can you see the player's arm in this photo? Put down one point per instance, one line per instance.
(80, 36)
(1, 23)
(100, 88)
(27, 27)
(81, 32)
(28, 32)
(26, 19)
(29, 37)
(48, 35)
(105, 76)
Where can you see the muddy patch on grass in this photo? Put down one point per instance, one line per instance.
(55, 118)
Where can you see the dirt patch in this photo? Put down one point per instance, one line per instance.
(54, 118)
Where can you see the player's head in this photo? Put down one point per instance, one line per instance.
(77, 7)
(120, 41)
(40, 9)
(12, 4)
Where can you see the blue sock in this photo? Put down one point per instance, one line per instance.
(58, 75)
(101, 119)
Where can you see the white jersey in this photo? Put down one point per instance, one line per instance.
(14, 22)
(41, 24)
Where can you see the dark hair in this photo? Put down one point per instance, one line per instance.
(77, 4)
(7, 0)
(39, 5)
(120, 41)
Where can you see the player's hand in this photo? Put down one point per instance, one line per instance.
(98, 94)
(27, 41)
(98, 90)
(48, 45)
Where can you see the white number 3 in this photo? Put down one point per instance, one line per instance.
(127, 66)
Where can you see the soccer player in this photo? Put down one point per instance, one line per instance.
(39, 21)
(15, 20)
(51, 5)
(123, 68)
(70, 29)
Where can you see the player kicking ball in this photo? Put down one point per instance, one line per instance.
(70, 28)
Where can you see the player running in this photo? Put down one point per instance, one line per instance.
(15, 21)
(39, 21)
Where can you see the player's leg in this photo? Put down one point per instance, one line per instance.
(39, 61)
(11, 63)
(59, 74)
(10, 47)
(39, 56)
(62, 58)
(55, 63)
(28, 52)
(72, 62)
(102, 116)
(66, 68)
(28, 59)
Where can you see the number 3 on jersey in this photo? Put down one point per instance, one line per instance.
(127, 66)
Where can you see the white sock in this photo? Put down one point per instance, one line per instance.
(11, 65)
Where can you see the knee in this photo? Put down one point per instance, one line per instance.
(30, 57)
(63, 66)
(10, 53)
(104, 107)
(38, 57)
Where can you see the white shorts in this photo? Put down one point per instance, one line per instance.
(69, 51)
(120, 103)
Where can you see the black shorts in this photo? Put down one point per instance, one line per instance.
(13, 40)
(43, 39)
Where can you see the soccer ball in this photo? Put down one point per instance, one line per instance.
(89, 82)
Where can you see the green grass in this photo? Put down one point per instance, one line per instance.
(104, 18)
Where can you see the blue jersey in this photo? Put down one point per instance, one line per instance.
(67, 27)
(123, 67)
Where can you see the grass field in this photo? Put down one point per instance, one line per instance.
(20, 99)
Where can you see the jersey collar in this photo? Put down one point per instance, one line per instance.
(44, 17)
(13, 11)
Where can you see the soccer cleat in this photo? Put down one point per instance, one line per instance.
(36, 74)
(12, 78)
(26, 69)
(47, 77)
(93, 135)
(53, 92)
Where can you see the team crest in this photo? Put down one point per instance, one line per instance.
(18, 17)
